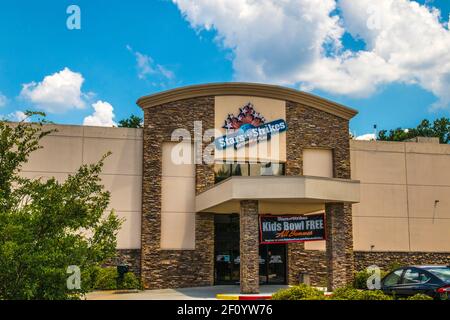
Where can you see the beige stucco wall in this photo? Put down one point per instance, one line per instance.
(178, 197)
(318, 162)
(400, 184)
(66, 150)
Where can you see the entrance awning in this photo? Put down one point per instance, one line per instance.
(291, 189)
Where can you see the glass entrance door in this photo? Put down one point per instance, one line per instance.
(272, 264)
(272, 257)
(227, 260)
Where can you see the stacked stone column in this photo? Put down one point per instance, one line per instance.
(339, 234)
(249, 246)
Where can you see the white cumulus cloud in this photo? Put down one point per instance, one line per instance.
(272, 40)
(19, 116)
(367, 137)
(103, 115)
(408, 40)
(146, 66)
(15, 116)
(299, 42)
(56, 93)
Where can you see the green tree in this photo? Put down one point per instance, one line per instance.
(440, 129)
(46, 225)
(131, 122)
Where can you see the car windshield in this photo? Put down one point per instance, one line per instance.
(442, 273)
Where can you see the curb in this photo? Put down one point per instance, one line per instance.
(242, 297)
(125, 291)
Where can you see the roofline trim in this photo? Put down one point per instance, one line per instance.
(247, 89)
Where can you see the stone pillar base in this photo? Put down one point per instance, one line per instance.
(339, 232)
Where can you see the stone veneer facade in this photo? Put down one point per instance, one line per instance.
(165, 268)
(129, 257)
(308, 128)
(311, 128)
(249, 246)
(314, 262)
(339, 243)
(385, 260)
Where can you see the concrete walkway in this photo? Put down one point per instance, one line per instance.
(199, 293)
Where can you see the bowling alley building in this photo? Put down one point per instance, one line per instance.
(251, 184)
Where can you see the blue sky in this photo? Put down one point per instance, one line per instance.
(177, 48)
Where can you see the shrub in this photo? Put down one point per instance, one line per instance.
(374, 295)
(360, 280)
(420, 296)
(106, 279)
(88, 278)
(348, 293)
(130, 281)
(300, 292)
(304, 292)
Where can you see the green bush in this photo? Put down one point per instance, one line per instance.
(360, 280)
(374, 295)
(304, 292)
(348, 293)
(106, 279)
(420, 296)
(130, 281)
(300, 292)
(88, 278)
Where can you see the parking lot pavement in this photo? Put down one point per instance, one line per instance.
(200, 293)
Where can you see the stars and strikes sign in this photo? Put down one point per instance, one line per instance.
(247, 128)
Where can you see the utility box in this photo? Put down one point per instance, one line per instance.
(304, 278)
(121, 271)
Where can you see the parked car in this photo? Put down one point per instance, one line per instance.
(410, 280)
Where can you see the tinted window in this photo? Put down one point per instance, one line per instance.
(272, 169)
(415, 276)
(393, 278)
(223, 171)
(441, 273)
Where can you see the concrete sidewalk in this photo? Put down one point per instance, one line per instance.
(200, 293)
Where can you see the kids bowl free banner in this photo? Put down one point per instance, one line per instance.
(292, 228)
